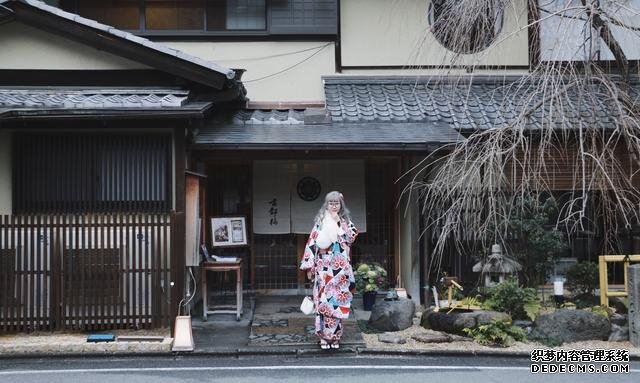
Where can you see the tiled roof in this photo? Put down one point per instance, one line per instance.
(268, 116)
(374, 136)
(488, 102)
(102, 28)
(60, 98)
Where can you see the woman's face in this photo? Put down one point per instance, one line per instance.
(333, 206)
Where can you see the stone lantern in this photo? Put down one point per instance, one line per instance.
(497, 267)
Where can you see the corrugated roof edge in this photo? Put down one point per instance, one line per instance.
(227, 72)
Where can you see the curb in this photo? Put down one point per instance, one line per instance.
(40, 355)
(297, 352)
(487, 353)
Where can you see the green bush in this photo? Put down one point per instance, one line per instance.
(582, 278)
(370, 277)
(509, 297)
(496, 333)
(539, 244)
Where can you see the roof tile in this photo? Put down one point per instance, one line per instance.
(482, 105)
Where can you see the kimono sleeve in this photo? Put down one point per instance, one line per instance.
(308, 258)
(352, 233)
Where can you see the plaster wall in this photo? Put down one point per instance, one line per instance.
(276, 71)
(26, 47)
(397, 33)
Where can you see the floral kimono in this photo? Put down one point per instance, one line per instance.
(333, 280)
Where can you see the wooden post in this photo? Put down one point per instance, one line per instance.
(178, 226)
(602, 269)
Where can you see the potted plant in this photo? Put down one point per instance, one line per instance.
(370, 277)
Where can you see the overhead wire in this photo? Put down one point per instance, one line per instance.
(289, 67)
(275, 55)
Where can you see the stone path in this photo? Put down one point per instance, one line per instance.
(283, 324)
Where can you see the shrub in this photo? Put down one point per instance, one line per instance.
(539, 244)
(509, 297)
(370, 277)
(496, 333)
(582, 278)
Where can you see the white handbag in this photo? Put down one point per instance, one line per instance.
(307, 306)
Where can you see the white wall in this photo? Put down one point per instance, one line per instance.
(25, 47)
(396, 33)
(564, 38)
(5, 173)
(308, 61)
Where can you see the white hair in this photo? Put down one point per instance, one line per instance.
(333, 196)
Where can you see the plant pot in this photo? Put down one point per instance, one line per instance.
(368, 300)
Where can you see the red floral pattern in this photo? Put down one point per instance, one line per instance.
(334, 276)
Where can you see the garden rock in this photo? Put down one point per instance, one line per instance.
(388, 337)
(392, 315)
(618, 305)
(619, 333)
(571, 326)
(455, 321)
(526, 325)
(620, 320)
(433, 337)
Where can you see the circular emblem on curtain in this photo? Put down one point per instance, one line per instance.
(309, 188)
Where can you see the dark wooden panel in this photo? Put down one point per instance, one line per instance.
(84, 272)
(81, 173)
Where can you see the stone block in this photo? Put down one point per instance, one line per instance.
(456, 320)
(391, 338)
(392, 315)
(633, 288)
(571, 326)
(433, 337)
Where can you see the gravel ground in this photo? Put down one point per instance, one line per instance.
(37, 338)
(372, 342)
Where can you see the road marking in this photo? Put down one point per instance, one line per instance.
(263, 368)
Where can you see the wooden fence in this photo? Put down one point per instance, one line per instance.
(87, 272)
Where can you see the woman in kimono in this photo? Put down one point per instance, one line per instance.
(327, 263)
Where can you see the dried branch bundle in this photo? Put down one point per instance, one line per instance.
(572, 123)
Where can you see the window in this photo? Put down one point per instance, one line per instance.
(173, 15)
(236, 15)
(464, 37)
(211, 17)
(122, 14)
(82, 173)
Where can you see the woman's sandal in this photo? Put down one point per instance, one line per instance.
(324, 345)
(335, 345)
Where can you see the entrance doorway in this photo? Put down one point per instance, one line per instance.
(273, 259)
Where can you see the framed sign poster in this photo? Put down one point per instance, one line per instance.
(229, 231)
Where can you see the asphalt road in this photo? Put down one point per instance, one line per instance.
(349, 369)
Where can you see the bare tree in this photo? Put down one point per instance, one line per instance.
(574, 110)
